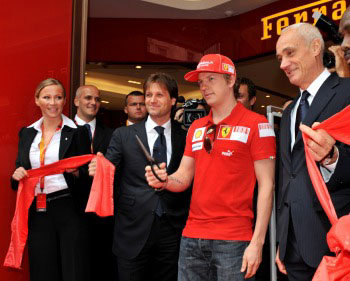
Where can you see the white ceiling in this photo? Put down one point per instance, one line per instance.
(143, 9)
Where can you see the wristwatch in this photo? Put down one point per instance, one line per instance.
(326, 161)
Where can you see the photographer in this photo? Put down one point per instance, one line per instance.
(191, 110)
(342, 52)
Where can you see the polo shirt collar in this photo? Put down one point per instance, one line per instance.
(237, 111)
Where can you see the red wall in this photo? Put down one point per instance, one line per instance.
(239, 37)
(35, 43)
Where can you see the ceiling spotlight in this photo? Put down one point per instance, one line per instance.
(263, 106)
(268, 96)
(104, 101)
(138, 66)
(86, 73)
(134, 82)
(229, 13)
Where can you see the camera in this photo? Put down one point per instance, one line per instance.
(191, 115)
(190, 111)
(326, 25)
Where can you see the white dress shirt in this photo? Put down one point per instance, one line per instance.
(152, 135)
(81, 122)
(328, 170)
(129, 123)
(55, 182)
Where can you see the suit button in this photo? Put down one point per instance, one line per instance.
(286, 204)
(292, 176)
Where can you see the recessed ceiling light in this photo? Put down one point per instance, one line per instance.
(134, 82)
(138, 66)
(86, 73)
(104, 101)
(228, 13)
(268, 96)
(263, 106)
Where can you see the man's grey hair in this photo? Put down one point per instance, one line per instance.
(308, 32)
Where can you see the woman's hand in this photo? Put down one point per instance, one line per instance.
(19, 174)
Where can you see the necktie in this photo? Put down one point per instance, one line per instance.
(302, 111)
(87, 126)
(159, 154)
(159, 148)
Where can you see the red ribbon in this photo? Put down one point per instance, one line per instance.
(100, 199)
(338, 238)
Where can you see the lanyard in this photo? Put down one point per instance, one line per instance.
(42, 148)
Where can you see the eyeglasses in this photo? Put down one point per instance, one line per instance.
(137, 104)
(208, 142)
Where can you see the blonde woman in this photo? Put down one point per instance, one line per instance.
(56, 230)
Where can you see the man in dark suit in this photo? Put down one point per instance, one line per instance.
(88, 101)
(302, 224)
(135, 107)
(148, 223)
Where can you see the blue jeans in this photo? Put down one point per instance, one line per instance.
(212, 260)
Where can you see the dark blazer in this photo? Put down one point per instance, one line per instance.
(101, 141)
(297, 197)
(69, 147)
(102, 138)
(135, 201)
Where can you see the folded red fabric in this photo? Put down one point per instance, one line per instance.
(338, 238)
(101, 193)
(100, 199)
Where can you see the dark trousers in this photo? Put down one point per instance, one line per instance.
(158, 259)
(297, 269)
(57, 243)
(100, 243)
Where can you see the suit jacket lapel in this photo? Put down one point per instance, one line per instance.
(175, 147)
(65, 141)
(286, 134)
(140, 130)
(322, 98)
(98, 137)
(29, 138)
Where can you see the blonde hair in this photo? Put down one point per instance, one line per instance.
(48, 82)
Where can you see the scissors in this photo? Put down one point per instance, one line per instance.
(149, 158)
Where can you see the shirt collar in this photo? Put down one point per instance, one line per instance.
(150, 124)
(65, 122)
(317, 83)
(81, 122)
(237, 110)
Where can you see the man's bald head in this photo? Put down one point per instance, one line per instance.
(88, 102)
